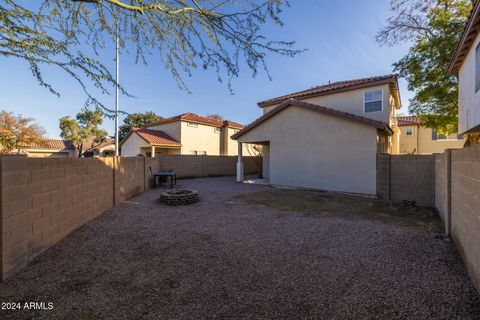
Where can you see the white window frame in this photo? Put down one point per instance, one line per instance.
(192, 124)
(218, 130)
(383, 98)
(409, 129)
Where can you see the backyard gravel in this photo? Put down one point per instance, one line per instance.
(227, 258)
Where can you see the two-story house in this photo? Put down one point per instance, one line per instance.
(415, 138)
(327, 137)
(186, 133)
(466, 63)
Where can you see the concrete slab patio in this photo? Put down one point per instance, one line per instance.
(239, 253)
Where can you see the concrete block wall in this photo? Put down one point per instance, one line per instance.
(220, 166)
(129, 177)
(383, 177)
(186, 166)
(151, 165)
(406, 177)
(45, 199)
(443, 188)
(193, 166)
(465, 207)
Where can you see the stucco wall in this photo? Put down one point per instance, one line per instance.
(352, 102)
(49, 154)
(201, 139)
(468, 99)
(173, 129)
(421, 141)
(313, 150)
(233, 145)
(133, 146)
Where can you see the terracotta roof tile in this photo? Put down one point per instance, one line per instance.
(331, 88)
(156, 137)
(469, 33)
(51, 144)
(192, 117)
(333, 112)
(408, 121)
(107, 142)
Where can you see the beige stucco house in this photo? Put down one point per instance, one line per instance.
(327, 137)
(59, 148)
(49, 148)
(466, 63)
(417, 139)
(187, 133)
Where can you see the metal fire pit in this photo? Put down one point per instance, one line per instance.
(178, 197)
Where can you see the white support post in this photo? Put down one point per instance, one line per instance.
(152, 151)
(240, 163)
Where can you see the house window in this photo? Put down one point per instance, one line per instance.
(437, 136)
(373, 101)
(409, 131)
(192, 124)
(477, 68)
(218, 130)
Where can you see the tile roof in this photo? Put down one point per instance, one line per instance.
(155, 137)
(332, 112)
(408, 121)
(469, 33)
(96, 145)
(332, 88)
(192, 117)
(50, 144)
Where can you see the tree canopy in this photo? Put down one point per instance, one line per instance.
(17, 131)
(185, 34)
(84, 131)
(433, 27)
(136, 120)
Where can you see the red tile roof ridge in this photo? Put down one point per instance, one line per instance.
(329, 88)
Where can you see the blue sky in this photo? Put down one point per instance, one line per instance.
(339, 36)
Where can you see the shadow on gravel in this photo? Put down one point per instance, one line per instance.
(324, 204)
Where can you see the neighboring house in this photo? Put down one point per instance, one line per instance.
(58, 148)
(49, 148)
(187, 133)
(417, 139)
(466, 63)
(327, 137)
(103, 149)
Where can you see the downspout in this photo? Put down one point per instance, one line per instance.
(418, 139)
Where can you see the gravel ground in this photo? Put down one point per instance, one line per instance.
(225, 258)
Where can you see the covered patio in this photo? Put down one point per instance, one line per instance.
(153, 150)
(263, 178)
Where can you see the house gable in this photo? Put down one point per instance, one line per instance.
(350, 96)
(320, 109)
(318, 150)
